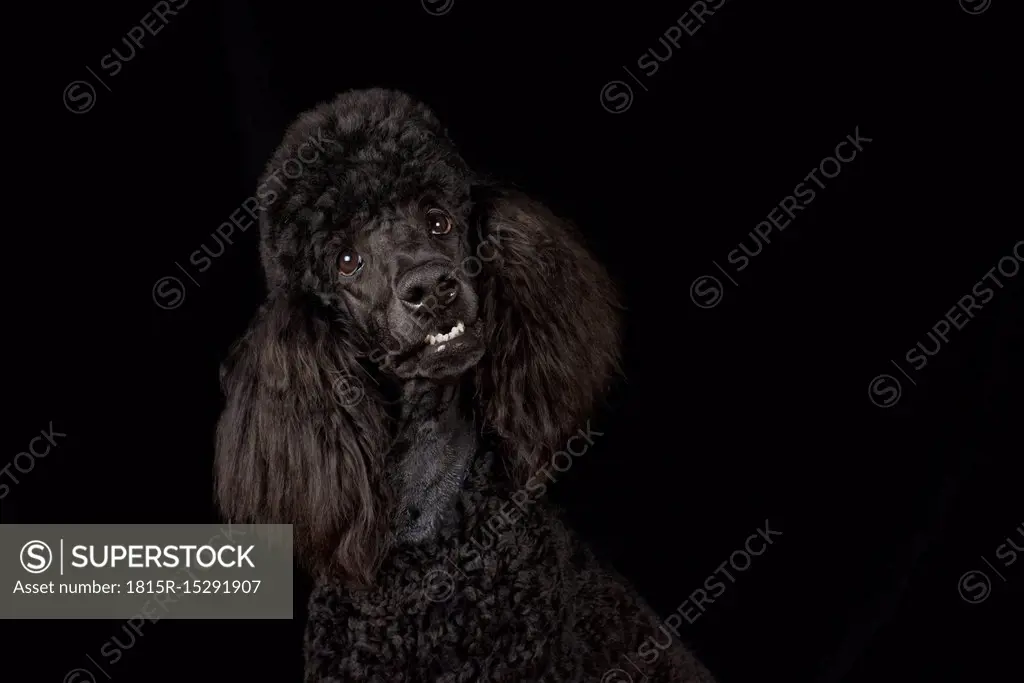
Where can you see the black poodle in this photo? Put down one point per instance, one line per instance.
(429, 343)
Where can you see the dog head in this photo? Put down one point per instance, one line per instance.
(388, 259)
(368, 209)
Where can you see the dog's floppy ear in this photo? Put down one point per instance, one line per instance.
(301, 438)
(551, 317)
(272, 259)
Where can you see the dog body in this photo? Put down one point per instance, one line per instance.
(505, 593)
(427, 340)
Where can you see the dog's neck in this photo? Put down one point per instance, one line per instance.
(435, 446)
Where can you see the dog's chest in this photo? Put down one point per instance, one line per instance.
(496, 592)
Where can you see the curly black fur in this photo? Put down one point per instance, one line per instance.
(393, 455)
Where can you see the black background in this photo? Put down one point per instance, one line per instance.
(755, 409)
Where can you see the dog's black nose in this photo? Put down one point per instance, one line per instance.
(431, 285)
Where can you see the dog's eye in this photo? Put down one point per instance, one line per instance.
(349, 263)
(438, 222)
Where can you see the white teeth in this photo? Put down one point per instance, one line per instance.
(440, 348)
(456, 330)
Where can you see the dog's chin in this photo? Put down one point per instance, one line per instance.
(442, 359)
